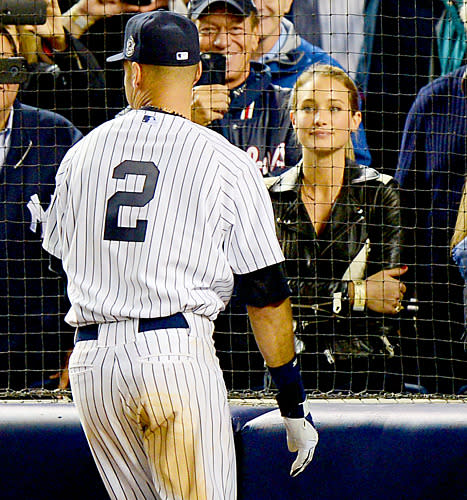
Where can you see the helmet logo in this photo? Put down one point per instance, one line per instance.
(130, 47)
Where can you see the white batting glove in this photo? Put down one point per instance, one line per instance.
(301, 437)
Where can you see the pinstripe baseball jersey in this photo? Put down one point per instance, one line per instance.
(151, 216)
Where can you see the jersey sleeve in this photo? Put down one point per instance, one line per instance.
(252, 243)
(263, 287)
(52, 237)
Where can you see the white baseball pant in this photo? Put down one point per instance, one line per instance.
(154, 408)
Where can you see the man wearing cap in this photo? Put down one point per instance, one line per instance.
(248, 110)
(149, 220)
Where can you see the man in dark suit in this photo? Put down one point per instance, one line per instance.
(33, 142)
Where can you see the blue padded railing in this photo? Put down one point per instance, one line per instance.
(368, 450)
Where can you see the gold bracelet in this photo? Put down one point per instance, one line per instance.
(359, 295)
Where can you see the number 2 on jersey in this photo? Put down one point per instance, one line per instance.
(112, 230)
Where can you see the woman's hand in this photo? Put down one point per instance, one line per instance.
(384, 291)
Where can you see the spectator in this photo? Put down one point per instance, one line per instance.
(451, 37)
(99, 25)
(281, 48)
(337, 27)
(396, 63)
(431, 174)
(248, 110)
(339, 225)
(287, 55)
(33, 336)
(63, 75)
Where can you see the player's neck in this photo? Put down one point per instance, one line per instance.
(163, 110)
(179, 108)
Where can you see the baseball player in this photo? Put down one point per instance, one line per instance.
(151, 216)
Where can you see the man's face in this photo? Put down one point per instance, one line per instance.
(233, 36)
(8, 91)
(270, 14)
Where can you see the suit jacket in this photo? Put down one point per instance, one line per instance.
(31, 296)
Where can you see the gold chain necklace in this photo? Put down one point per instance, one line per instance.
(162, 110)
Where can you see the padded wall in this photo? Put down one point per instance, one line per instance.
(380, 451)
(367, 450)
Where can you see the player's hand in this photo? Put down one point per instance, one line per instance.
(302, 437)
(385, 291)
(209, 103)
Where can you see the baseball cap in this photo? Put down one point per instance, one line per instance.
(160, 38)
(196, 8)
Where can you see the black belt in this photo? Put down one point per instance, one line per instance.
(90, 332)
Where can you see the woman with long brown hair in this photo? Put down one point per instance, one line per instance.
(339, 226)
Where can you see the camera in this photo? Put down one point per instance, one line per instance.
(23, 12)
(13, 70)
(213, 65)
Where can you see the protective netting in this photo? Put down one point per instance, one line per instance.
(407, 59)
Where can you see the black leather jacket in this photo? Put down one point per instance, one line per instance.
(362, 238)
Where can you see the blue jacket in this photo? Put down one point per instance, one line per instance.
(31, 296)
(431, 172)
(296, 54)
(432, 159)
(258, 122)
